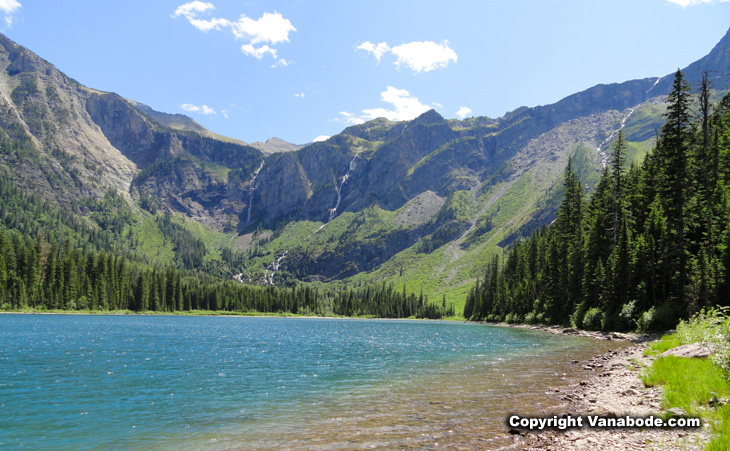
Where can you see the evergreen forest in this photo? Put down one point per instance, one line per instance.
(648, 247)
(52, 259)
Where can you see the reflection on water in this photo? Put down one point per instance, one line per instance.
(106, 382)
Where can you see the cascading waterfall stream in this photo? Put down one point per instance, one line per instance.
(251, 189)
(653, 86)
(273, 267)
(333, 211)
(599, 149)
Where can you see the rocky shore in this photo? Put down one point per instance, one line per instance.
(611, 388)
(608, 336)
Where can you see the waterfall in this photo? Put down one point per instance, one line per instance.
(333, 211)
(599, 149)
(273, 267)
(654, 85)
(251, 189)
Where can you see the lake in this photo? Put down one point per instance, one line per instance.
(180, 382)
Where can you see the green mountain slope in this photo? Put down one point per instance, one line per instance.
(420, 203)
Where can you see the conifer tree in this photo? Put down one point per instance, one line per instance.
(673, 150)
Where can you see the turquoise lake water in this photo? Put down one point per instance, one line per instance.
(152, 382)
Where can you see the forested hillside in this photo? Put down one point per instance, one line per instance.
(51, 260)
(650, 246)
(108, 204)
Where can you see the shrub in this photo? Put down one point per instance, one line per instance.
(534, 318)
(627, 317)
(643, 324)
(711, 328)
(576, 319)
(658, 319)
(593, 319)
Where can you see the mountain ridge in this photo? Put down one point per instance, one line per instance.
(425, 199)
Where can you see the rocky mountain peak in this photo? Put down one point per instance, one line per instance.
(428, 118)
(21, 59)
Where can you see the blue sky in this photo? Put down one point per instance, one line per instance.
(300, 69)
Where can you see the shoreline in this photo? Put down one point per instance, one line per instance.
(612, 388)
(569, 331)
(208, 313)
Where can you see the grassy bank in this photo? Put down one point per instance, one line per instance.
(700, 387)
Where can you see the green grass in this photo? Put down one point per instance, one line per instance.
(636, 151)
(666, 343)
(220, 172)
(690, 384)
(648, 117)
(721, 442)
(437, 273)
(151, 242)
(214, 240)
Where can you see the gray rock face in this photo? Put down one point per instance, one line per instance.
(64, 153)
(78, 141)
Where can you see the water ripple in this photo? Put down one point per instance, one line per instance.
(135, 382)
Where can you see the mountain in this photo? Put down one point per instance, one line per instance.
(421, 202)
(275, 145)
(77, 142)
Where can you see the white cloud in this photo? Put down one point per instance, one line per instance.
(463, 112)
(686, 3)
(271, 28)
(424, 56)
(189, 10)
(192, 9)
(348, 118)
(320, 138)
(224, 113)
(418, 56)
(257, 52)
(404, 107)
(377, 50)
(299, 94)
(9, 7)
(205, 109)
